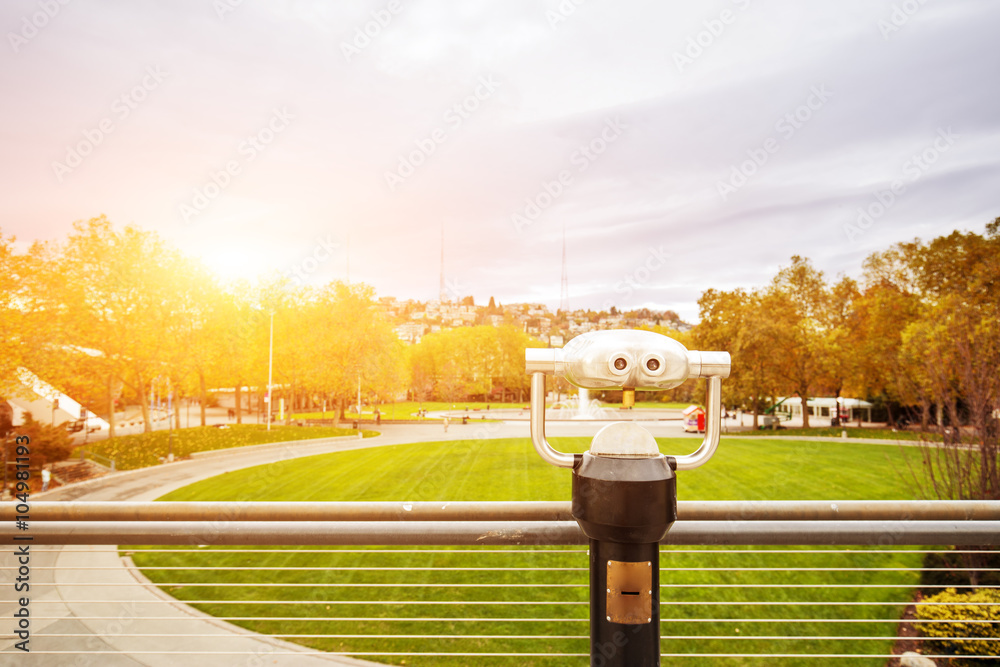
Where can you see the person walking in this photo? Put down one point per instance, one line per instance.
(445, 424)
(46, 478)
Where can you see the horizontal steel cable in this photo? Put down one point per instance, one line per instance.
(516, 620)
(517, 569)
(484, 654)
(267, 584)
(516, 551)
(409, 636)
(534, 602)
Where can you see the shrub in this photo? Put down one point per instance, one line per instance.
(974, 607)
(148, 449)
(49, 444)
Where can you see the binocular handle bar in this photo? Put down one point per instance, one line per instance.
(713, 427)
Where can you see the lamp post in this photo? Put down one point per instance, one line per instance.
(270, 365)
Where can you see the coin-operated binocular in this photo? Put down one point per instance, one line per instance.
(624, 489)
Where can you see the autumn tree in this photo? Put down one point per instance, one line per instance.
(113, 294)
(953, 351)
(192, 352)
(49, 444)
(350, 340)
(12, 325)
(456, 364)
(796, 307)
(739, 322)
(885, 307)
(239, 322)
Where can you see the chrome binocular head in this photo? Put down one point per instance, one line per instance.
(626, 359)
(629, 358)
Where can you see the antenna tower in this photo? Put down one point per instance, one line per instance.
(443, 293)
(564, 294)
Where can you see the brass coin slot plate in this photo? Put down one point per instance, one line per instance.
(630, 592)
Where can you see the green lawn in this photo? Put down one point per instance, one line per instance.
(510, 470)
(852, 432)
(146, 449)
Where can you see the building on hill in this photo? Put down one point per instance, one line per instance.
(410, 332)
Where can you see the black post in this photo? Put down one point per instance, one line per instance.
(625, 506)
(613, 641)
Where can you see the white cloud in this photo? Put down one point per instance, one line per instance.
(657, 184)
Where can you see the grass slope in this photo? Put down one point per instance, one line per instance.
(852, 432)
(510, 470)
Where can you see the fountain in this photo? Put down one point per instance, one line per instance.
(582, 407)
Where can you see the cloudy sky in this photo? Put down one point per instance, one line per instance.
(680, 145)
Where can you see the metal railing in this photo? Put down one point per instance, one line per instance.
(511, 587)
(97, 458)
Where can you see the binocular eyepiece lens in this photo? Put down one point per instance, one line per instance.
(653, 365)
(621, 363)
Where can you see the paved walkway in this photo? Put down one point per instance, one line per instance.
(108, 610)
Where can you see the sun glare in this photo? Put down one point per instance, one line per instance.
(232, 261)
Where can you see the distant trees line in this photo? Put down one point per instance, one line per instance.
(920, 331)
(108, 313)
